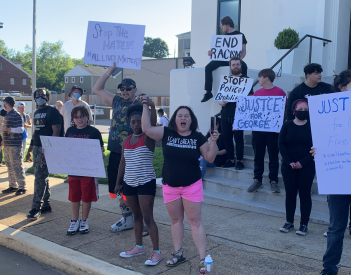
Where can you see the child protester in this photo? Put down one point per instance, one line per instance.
(139, 182)
(82, 188)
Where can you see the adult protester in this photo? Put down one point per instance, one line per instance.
(163, 121)
(227, 26)
(298, 169)
(21, 106)
(312, 86)
(12, 130)
(47, 122)
(182, 186)
(338, 204)
(119, 130)
(227, 119)
(58, 105)
(262, 140)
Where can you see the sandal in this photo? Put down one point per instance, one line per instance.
(145, 231)
(202, 266)
(176, 259)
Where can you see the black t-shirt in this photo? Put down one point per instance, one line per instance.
(181, 158)
(300, 91)
(236, 33)
(44, 119)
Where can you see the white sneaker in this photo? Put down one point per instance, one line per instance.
(124, 223)
(84, 227)
(74, 227)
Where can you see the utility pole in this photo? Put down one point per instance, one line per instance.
(34, 61)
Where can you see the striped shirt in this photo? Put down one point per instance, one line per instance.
(13, 119)
(139, 169)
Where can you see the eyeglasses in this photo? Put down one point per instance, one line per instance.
(126, 89)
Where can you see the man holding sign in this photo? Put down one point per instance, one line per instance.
(227, 26)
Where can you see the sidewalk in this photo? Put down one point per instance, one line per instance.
(240, 242)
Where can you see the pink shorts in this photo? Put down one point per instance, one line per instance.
(193, 192)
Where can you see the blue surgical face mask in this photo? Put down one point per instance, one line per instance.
(40, 101)
(76, 96)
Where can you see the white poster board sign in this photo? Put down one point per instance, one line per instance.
(112, 42)
(259, 113)
(330, 116)
(224, 47)
(73, 156)
(231, 87)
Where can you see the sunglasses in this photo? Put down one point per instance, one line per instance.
(126, 89)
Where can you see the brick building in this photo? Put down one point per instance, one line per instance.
(13, 78)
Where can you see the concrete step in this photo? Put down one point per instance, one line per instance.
(250, 164)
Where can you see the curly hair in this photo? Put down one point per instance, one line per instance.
(312, 68)
(342, 80)
(134, 110)
(83, 113)
(42, 90)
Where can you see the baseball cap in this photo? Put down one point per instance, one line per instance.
(10, 100)
(75, 87)
(20, 103)
(127, 82)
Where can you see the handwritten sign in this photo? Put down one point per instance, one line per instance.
(259, 113)
(224, 47)
(73, 156)
(111, 42)
(231, 87)
(330, 116)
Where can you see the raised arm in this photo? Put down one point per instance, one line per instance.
(99, 88)
(156, 133)
(28, 124)
(209, 149)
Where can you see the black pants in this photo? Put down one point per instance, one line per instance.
(261, 140)
(112, 171)
(228, 133)
(298, 181)
(213, 65)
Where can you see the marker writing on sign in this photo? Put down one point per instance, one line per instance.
(334, 107)
(119, 32)
(254, 104)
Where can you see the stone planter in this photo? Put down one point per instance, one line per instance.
(293, 63)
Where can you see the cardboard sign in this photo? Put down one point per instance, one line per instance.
(330, 116)
(73, 156)
(112, 42)
(224, 47)
(231, 87)
(259, 113)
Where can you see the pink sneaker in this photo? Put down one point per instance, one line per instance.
(154, 259)
(135, 251)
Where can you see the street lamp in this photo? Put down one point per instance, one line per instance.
(1, 25)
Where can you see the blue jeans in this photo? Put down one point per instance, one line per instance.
(203, 166)
(339, 206)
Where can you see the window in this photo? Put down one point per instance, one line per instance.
(12, 81)
(229, 8)
(73, 79)
(81, 79)
(84, 91)
(24, 81)
(66, 79)
(0, 66)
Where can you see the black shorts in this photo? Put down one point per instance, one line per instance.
(148, 188)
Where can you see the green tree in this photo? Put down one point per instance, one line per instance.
(5, 51)
(155, 47)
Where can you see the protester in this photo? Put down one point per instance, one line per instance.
(262, 140)
(227, 26)
(12, 129)
(81, 188)
(1, 151)
(119, 129)
(338, 204)
(312, 86)
(182, 185)
(58, 105)
(227, 119)
(21, 106)
(47, 122)
(163, 121)
(221, 153)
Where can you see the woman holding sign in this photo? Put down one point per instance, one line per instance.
(298, 170)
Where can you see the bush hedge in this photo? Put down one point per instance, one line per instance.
(286, 39)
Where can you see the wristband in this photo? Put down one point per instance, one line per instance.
(108, 74)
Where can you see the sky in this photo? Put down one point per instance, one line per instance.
(67, 20)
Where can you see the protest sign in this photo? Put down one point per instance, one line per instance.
(231, 87)
(112, 42)
(330, 116)
(73, 156)
(224, 47)
(259, 113)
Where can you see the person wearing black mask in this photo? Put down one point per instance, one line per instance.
(298, 168)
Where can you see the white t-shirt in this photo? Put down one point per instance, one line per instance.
(163, 121)
(66, 111)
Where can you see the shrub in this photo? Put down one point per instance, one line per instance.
(286, 39)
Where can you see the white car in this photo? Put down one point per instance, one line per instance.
(15, 93)
(3, 93)
(98, 112)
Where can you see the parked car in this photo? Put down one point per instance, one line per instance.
(53, 92)
(98, 112)
(15, 93)
(3, 93)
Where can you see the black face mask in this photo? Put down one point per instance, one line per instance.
(302, 115)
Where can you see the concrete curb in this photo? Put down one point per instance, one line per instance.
(62, 258)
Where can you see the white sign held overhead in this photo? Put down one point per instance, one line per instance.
(112, 42)
(259, 113)
(73, 156)
(224, 47)
(330, 116)
(231, 87)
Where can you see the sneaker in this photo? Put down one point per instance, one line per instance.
(46, 209)
(325, 234)
(154, 258)
(207, 96)
(256, 185)
(73, 228)
(239, 165)
(20, 192)
(287, 227)
(34, 214)
(135, 251)
(84, 227)
(327, 272)
(274, 187)
(9, 190)
(302, 230)
(228, 164)
(65, 181)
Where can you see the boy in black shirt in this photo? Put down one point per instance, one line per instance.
(227, 26)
